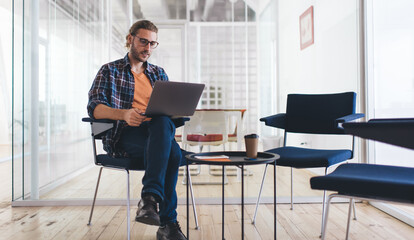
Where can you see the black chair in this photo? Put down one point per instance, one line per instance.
(370, 181)
(99, 128)
(312, 114)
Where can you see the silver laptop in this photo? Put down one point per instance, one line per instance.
(174, 98)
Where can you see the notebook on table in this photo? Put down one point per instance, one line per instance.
(174, 98)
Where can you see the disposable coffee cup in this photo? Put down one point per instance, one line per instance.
(251, 141)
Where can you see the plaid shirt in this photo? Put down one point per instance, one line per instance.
(114, 87)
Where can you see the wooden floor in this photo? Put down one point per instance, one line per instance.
(69, 222)
(112, 184)
(110, 223)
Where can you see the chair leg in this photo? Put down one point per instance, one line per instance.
(193, 202)
(323, 212)
(226, 180)
(260, 193)
(291, 188)
(325, 223)
(355, 217)
(184, 181)
(351, 203)
(323, 205)
(94, 197)
(128, 209)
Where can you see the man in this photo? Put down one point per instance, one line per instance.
(121, 91)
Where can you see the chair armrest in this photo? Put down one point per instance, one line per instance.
(178, 122)
(349, 118)
(91, 120)
(396, 131)
(391, 120)
(277, 120)
(99, 126)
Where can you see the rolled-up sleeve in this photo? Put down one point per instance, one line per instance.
(100, 90)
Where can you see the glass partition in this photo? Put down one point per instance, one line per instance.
(391, 80)
(391, 77)
(67, 44)
(67, 56)
(6, 42)
(170, 53)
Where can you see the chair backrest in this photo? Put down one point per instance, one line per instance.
(207, 123)
(232, 116)
(317, 113)
(233, 122)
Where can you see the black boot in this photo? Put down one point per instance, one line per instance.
(171, 231)
(147, 211)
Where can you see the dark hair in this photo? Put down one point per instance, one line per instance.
(144, 24)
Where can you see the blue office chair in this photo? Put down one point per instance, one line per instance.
(370, 181)
(312, 114)
(99, 129)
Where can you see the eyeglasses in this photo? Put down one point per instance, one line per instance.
(144, 42)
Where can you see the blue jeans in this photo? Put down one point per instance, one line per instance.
(153, 142)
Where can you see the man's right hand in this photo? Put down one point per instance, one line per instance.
(134, 117)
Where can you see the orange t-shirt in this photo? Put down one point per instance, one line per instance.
(142, 91)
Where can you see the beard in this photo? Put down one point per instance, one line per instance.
(139, 56)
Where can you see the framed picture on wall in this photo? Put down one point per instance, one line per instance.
(306, 28)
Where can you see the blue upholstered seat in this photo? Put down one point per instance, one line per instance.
(380, 182)
(309, 158)
(106, 160)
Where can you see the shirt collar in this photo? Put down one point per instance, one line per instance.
(148, 66)
(126, 59)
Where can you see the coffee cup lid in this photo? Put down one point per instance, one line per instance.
(253, 135)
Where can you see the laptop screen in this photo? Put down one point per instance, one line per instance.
(174, 98)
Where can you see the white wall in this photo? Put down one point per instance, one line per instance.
(329, 65)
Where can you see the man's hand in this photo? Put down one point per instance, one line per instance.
(134, 117)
